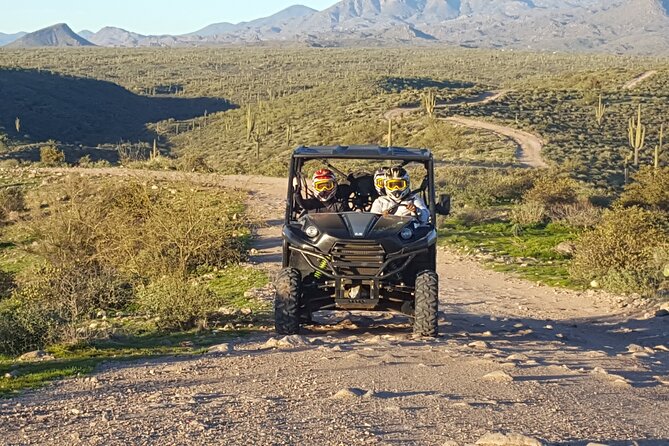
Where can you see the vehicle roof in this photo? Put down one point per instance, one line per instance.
(363, 152)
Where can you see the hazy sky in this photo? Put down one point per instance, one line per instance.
(142, 16)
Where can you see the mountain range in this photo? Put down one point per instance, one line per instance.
(619, 26)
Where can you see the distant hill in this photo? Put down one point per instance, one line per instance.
(615, 26)
(276, 20)
(86, 34)
(9, 38)
(57, 35)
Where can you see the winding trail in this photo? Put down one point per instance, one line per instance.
(529, 145)
(640, 78)
(567, 367)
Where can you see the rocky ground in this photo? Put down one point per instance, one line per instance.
(516, 364)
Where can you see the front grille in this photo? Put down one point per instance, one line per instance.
(358, 258)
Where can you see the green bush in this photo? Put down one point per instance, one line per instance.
(178, 303)
(530, 213)
(550, 191)
(649, 189)
(51, 156)
(623, 252)
(26, 325)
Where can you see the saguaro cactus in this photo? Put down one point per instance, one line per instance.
(429, 102)
(390, 133)
(289, 134)
(250, 123)
(637, 136)
(658, 148)
(600, 110)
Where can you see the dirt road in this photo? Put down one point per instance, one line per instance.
(529, 145)
(562, 367)
(640, 78)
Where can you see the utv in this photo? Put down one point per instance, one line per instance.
(358, 260)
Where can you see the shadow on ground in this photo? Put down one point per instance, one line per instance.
(75, 110)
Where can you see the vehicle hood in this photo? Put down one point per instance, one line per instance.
(356, 225)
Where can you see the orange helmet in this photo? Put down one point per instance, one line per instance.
(324, 182)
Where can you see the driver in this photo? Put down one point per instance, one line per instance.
(324, 183)
(399, 200)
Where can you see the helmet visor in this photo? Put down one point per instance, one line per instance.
(324, 185)
(396, 184)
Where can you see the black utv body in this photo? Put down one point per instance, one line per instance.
(358, 260)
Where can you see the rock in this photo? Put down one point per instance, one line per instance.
(634, 348)
(594, 284)
(508, 440)
(227, 311)
(666, 270)
(246, 311)
(597, 444)
(662, 313)
(450, 443)
(229, 327)
(479, 345)
(220, 348)
(498, 376)
(11, 375)
(370, 394)
(566, 249)
(350, 393)
(664, 380)
(38, 355)
(287, 342)
(518, 357)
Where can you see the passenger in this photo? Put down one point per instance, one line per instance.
(399, 200)
(325, 186)
(380, 181)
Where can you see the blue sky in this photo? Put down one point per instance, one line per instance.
(142, 16)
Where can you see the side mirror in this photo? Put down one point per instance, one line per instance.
(443, 205)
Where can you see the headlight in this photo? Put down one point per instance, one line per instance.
(406, 233)
(312, 231)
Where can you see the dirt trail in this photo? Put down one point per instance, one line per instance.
(529, 145)
(512, 357)
(483, 98)
(640, 78)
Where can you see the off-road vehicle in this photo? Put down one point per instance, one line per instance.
(358, 260)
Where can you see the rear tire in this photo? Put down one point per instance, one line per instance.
(287, 302)
(427, 304)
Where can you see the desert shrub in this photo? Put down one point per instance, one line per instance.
(484, 187)
(193, 162)
(550, 190)
(530, 213)
(10, 163)
(26, 325)
(177, 303)
(582, 214)
(622, 252)
(50, 155)
(12, 199)
(142, 230)
(650, 189)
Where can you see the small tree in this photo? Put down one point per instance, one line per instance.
(50, 155)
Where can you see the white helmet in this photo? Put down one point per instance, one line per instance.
(397, 184)
(380, 180)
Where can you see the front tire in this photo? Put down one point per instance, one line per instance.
(287, 302)
(427, 304)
